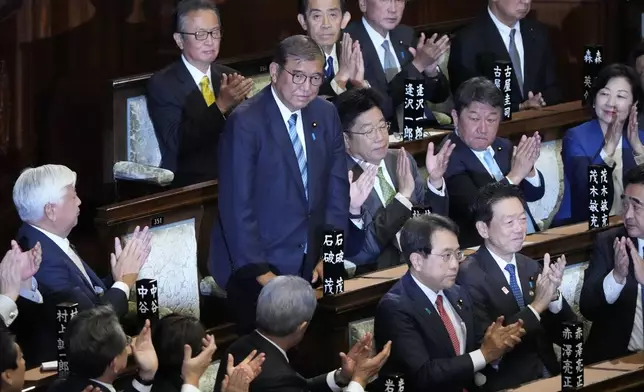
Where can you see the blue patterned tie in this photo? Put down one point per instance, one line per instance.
(329, 72)
(514, 286)
(299, 153)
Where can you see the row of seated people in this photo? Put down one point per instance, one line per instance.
(190, 101)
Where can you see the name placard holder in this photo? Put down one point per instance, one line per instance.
(393, 383)
(147, 301)
(572, 360)
(600, 195)
(593, 60)
(503, 72)
(333, 262)
(413, 109)
(64, 313)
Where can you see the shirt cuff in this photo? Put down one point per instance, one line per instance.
(142, 388)
(535, 180)
(509, 181)
(609, 160)
(189, 388)
(123, 287)
(478, 360)
(405, 201)
(556, 306)
(336, 87)
(353, 387)
(359, 223)
(32, 294)
(535, 312)
(612, 289)
(8, 309)
(330, 381)
(436, 191)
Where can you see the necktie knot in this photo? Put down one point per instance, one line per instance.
(512, 33)
(206, 90)
(293, 120)
(439, 303)
(510, 268)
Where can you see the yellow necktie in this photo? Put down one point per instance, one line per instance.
(206, 91)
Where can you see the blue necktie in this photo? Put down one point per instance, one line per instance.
(329, 72)
(391, 69)
(516, 60)
(299, 153)
(514, 285)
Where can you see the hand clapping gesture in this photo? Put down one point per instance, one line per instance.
(351, 63)
(620, 255)
(633, 132)
(535, 101)
(428, 52)
(360, 189)
(127, 261)
(234, 89)
(524, 157)
(437, 164)
(238, 378)
(499, 339)
(17, 268)
(406, 181)
(193, 368)
(638, 263)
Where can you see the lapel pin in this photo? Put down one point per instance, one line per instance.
(531, 282)
(531, 293)
(505, 290)
(459, 304)
(313, 136)
(428, 311)
(499, 148)
(314, 125)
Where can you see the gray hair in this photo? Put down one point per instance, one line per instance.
(187, 6)
(300, 47)
(38, 186)
(93, 339)
(283, 304)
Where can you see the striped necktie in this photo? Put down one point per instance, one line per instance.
(299, 151)
(516, 60)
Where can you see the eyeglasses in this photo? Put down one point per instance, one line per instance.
(203, 35)
(300, 78)
(458, 255)
(372, 133)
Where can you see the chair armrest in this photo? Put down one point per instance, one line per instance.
(131, 171)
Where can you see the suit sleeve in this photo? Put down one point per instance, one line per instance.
(355, 240)
(411, 354)
(461, 187)
(592, 301)
(182, 126)
(238, 161)
(422, 195)
(531, 192)
(337, 212)
(318, 384)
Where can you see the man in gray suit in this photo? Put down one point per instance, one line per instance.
(398, 187)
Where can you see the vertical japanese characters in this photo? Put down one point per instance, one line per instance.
(572, 361)
(333, 262)
(600, 194)
(64, 313)
(593, 61)
(413, 110)
(503, 81)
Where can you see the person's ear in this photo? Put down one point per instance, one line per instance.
(302, 21)
(178, 39)
(345, 20)
(483, 229)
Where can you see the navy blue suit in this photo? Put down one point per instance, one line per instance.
(421, 348)
(265, 218)
(582, 147)
(465, 175)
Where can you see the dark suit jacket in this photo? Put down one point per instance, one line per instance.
(266, 218)
(59, 280)
(402, 37)
(186, 128)
(382, 223)
(485, 281)
(477, 46)
(277, 374)
(35, 331)
(465, 175)
(612, 323)
(421, 348)
(78, 384)
(582, 147)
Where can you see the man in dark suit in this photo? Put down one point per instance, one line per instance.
(429, 319)
(503, 33)
(46, 200)
(392, 53)
(285, 308)
(282, 181)
(399, 185)
(323, 21)
(503, 282)
(188, 100)
(480, 157)
(611, 296)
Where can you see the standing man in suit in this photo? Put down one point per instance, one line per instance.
(284, 311)
(503, 33)
(393, 53)
(46, 200)
(480, 157)
(503, 282)
(189, 100)
(283, 181)
(611, 296)
(429, 319)
(399, 185)
(323, 20)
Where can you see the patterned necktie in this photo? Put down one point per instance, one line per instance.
(516, 60)
(388, 192)
(206, 91)
(329, 72)
(299, 152)
(391, 69)
(448, 325)
(514, 285)
(492, 165)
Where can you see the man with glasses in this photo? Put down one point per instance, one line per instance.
(189, 100)
(399, 185)
(429, 320)
(283, 180)
(503, 282)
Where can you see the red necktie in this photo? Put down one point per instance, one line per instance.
(448, 325)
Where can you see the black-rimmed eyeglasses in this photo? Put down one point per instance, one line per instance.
(203, 35)
(300, 78)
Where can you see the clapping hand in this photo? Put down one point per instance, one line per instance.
(633, 132)
(428, 52)
(193, 368)
(524, 157)
(437, 164)
(17, 268)
(127, 261)
(535, 101)
(144, 353)
(620, 255)
(360, 351)
(238, 378)
(360, 189)
(406, 181)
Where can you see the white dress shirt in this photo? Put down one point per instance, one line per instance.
(478, 360)
(612, 291)
(336, 67)
(534, 180)
(198, 75)
(330, 379)
(377, 41)
(505, 35)
(9, 309)
(286, 115)
(554, 306)
(63, 244)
